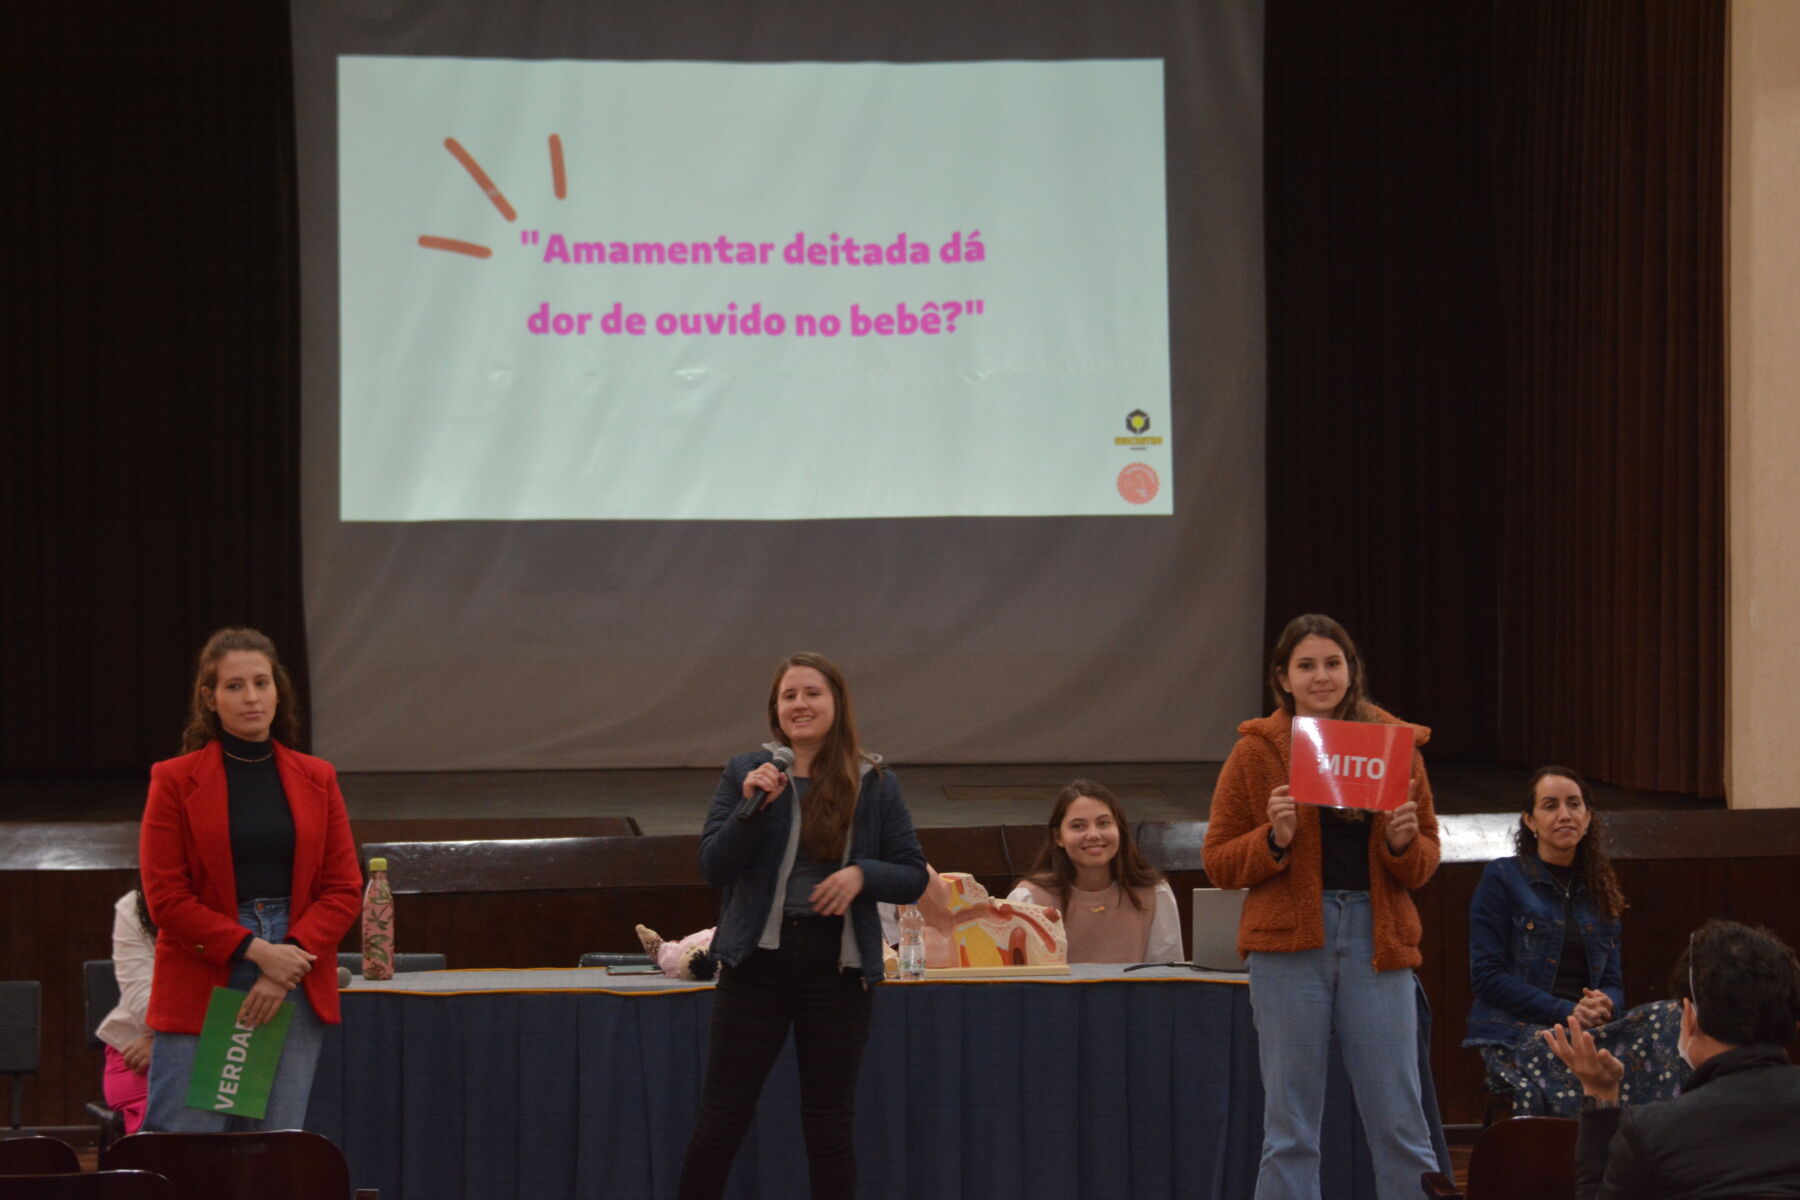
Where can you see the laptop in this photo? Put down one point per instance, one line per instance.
(1215, 928)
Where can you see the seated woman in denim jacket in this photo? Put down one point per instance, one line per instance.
(1544, 946)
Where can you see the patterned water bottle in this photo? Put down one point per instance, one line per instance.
(912, 942)
(378, 923)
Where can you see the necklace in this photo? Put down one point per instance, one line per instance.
(1100, 908)
(242, 759)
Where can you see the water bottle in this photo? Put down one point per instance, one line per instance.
(378, 923)
(912, 942)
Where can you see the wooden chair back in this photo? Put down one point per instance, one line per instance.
(1524, 1158)
(37, 1156)
(92, 1185)
(284, 1164)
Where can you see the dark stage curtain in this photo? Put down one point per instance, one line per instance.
(1495, 389)
(1608, 172)
(1382, 423)
(151, 463)
(1495, 383)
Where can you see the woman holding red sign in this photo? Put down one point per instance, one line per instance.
(1329, 927)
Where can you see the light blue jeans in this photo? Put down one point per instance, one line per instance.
(172, 1059)
(1298, 999)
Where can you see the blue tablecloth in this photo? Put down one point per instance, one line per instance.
(1100, 1085)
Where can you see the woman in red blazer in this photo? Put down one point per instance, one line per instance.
(251, 877)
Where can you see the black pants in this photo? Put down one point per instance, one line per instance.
(798, 984)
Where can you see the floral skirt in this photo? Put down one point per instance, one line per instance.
(1644, 1039)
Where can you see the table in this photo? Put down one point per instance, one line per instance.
(572, 1083)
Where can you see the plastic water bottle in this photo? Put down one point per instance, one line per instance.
(912, 942)
(378, 923)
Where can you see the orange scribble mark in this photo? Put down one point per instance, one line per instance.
(558, 176)
(481, 178)
(454, 246)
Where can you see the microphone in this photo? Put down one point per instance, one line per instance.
(783, 759)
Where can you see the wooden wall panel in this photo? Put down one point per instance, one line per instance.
(1444, 913)
(56, 920)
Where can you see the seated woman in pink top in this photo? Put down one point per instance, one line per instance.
(1116, 907)
(126, 1029)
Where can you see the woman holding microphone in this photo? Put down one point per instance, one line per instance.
(802, 856)
(1329, 926)
(250, 876)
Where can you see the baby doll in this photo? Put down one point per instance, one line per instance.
(690, 958)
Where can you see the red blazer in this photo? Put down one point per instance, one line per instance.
(184, 853)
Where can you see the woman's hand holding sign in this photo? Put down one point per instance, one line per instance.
(262, 1003)
(1403, 822)
(1283, 816)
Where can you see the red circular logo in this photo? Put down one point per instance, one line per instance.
(1138, 483)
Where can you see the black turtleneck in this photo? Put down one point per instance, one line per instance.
(1344, 839)
(262, 828)
(1572, 966)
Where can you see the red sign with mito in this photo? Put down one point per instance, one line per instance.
(1350, 764)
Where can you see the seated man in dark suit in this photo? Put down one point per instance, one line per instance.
(1735, 1129)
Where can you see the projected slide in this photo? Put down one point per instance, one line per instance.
(712, 291)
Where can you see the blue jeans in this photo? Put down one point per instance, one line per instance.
(172, 1059)
(1298, 1000)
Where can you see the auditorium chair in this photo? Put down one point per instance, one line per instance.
(282, 1164)
(100, 995)
(37, 1156)
(90, 1185)
(352, 962)
(18, 1038)
(1519, 1158)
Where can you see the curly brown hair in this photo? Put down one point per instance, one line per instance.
(1591, 859)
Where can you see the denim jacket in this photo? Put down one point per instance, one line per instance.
(746, 859)
(1515, 944)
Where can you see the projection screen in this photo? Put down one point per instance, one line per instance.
(639, 351)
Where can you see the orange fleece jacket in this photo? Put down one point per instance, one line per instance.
(1285, 908)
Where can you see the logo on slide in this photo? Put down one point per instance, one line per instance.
(1137, 426)
(1138, 483)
